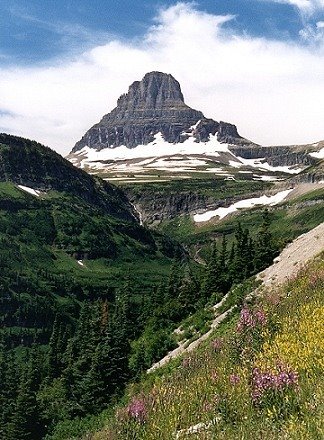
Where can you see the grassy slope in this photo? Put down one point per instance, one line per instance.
(216, 187)
(218, 382)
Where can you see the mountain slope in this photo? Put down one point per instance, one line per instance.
(30, 164)
(65, 237)
(259, 375)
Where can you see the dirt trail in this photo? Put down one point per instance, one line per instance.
(184, 348)
(293, 257)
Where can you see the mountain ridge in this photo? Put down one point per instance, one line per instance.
(31, 164)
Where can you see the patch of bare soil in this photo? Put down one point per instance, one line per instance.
(293, 257)
(303, 188)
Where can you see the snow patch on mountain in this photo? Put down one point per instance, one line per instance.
(262, 165)
(319, 154)
(247, 203)
(29, 190)
(157, 148)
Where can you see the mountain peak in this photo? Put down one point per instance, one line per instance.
(155, 90)
(151, 106)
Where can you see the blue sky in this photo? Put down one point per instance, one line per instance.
(256, 63)
(38, 30)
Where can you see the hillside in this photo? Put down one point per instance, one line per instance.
(90, 299)
(31, 164)
(71, 248)
(257, 376)
(65, 234)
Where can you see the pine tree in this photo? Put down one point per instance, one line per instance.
(225, 282)
(25, 423)
(94, 396)
(242, 260)
(174, 280)
(8, 393)
(188, 293)
(264, 247)
(212, 283)
(53, 363)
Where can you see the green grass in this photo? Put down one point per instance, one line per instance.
(215, 383)
(215, 187)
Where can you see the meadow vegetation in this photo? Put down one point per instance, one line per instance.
(259, 376)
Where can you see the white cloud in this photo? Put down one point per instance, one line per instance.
(308, 6)
(271, 90)
(313, 33)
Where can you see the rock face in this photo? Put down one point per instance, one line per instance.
(154, 105)
(156, 206)
(277, 156)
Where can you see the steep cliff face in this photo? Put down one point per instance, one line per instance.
(313, 174)
(157, 207)
(278, 155)
(154, 104)
(159, 203)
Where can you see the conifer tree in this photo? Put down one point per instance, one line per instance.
(174, 280)
(188, 293)
(212, 283)
(53, 364)
(265, 249)
(25, 423)
(94, 396)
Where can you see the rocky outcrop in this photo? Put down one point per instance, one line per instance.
(313, 174)
(154, 105)
(155, 207)
(276, 156)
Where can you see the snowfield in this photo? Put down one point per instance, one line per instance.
(183, 157)
(319, 154)
(158, 148)
(247, 203)
(262, 165)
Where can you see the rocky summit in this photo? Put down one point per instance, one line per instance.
(153, 135)
(154, 105)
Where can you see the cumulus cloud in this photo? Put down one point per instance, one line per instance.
(270, 89)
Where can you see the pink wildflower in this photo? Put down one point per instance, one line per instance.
(234, 379)
(186, 362)
(217, 344)
(137, 410)
(262, 381)
(214, 376)
(250, 319)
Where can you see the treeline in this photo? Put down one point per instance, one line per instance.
(85, 365)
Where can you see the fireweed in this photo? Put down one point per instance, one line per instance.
(136, 409)
(250, 319)
(280, 381)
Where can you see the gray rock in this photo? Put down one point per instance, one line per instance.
(154, 105)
